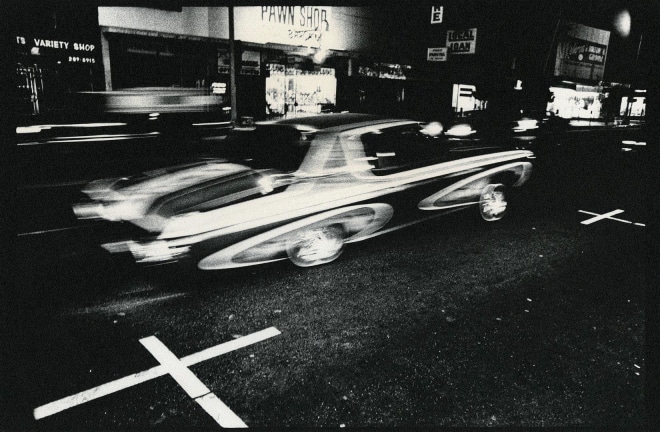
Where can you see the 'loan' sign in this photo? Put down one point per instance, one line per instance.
(462, 41)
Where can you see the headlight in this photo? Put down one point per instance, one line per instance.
(527, 124)
(265, 185)
(88, 210)
(433, 129)
(460, 130)
(157, 252)
(122, 210)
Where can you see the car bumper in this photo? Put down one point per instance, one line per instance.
(151, 252)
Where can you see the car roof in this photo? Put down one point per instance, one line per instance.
(326, 121)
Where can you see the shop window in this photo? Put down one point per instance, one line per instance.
(633, 107)
(30, 89)
(464, 100)
(292, 92)
(571, 103)
(144, 62)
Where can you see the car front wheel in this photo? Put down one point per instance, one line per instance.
(493, 202)
(315, 246)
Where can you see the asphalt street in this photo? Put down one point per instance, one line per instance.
(536, 320)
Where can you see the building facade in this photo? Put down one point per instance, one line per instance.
(290, 60)
(429, 60)
(565, 57)
(57, 51)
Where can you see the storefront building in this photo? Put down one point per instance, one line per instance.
(425, 62)
(290, 60)
(470, 60)
(480, 56)
(580, 89)
(57, 54)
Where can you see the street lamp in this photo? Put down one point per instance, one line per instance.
(320, 55)
(622, 24)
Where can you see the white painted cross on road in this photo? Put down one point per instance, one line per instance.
(601, 216)
(175, 367)
(607, 215)
(192, 385)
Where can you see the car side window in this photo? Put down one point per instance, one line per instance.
(399, 149)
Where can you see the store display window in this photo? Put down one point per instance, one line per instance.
(292, 92)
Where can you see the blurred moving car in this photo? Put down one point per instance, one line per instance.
(518, 128)
(300, 189)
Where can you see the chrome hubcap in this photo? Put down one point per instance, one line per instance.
(316, 246)
(493, 203)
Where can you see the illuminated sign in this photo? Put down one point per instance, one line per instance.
(74, 52)
(436, 14)
(78, 59)
(464, 100)
(276, 69)
(292, 25)
(56, 44)
(385, 70)
(219, 88)
(304, 17)
(462, 41)
(436, 54)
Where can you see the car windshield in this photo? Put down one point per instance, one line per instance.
(280, 147)
(402, 148)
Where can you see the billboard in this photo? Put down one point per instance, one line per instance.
(581, 52)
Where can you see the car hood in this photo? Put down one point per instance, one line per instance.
(144, 199)
(160, 181)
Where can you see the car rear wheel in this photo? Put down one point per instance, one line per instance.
(493, 202)
(315, 246)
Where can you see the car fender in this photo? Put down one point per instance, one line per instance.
(466, 192)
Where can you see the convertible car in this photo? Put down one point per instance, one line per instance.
(301, 189)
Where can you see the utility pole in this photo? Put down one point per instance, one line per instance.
(232, 66)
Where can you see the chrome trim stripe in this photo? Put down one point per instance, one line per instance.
(223, 259)
(91, 138)
(445, 168)
(39, 128)
(213, 124)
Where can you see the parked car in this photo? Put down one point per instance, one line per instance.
(301, 189)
